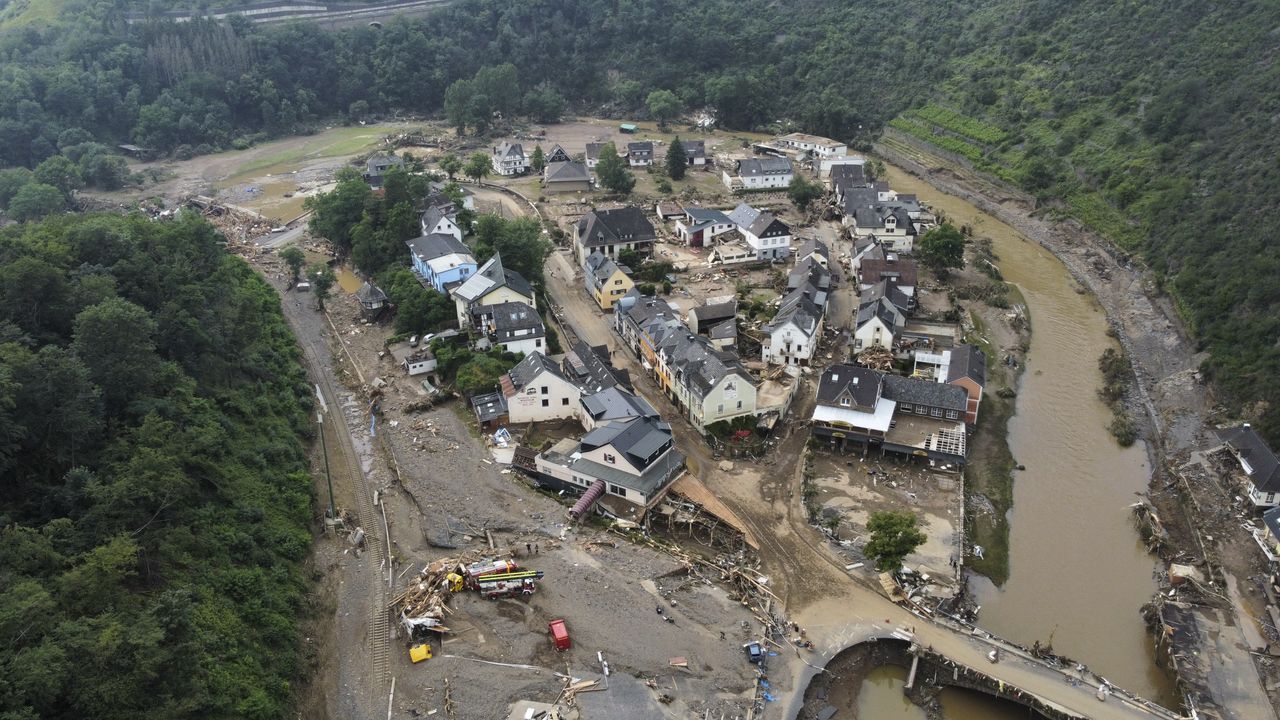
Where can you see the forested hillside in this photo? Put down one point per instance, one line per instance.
(1151, 122)
(154, 499)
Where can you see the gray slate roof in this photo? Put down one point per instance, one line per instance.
(512, 317)
(590, 369)
(641, 439)
(640, 148)
(848, 175)
(567, 172)
(610, 227)
(862, 385)
(694, 148)
(369, 294)
(497, 276)
(813, 246)
(528, 369)
(615, 404)
(758, 222)
(1254, 451)
(558, 154)
(968, 361)
(759, 167)
(883, 309)
(593, 150)
(489, 406)
(430, 247)
(509, 151)
(433, 215)
(889, 290)
(704, 316)
(925, 392)
(1271, 519)
(797, 307)
(602, 267)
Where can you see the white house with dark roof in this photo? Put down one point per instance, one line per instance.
(612, 231)
(436, 221)
(699, 227)
(441, 260)
(1258, 462)
(492, 284)
(630, 463)
(515, 327)
(860, 408)
(508, 159)
(380, 164)
(764, 233)
(695, 151)
(794, 332)
(815, 144)
(640, 154)
(759, 173)
(535, 390)
(816, 249)
(878, 324)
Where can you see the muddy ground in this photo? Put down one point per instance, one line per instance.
(606, 589)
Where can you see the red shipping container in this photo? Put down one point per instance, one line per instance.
(559, 634)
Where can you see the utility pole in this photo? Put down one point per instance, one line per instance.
(333, 514)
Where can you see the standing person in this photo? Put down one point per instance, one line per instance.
(528, 549)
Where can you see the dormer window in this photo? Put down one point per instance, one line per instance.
(844, 401)
(610, 458)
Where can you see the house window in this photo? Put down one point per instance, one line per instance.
(617, 490)
(720, 408)
(564, 401)
(610, 458)
(546, 403)
(936, 412)
(739, 404)
(537, 343)
(952, 415)
(906, 409)
(844, 402)
(545, 390)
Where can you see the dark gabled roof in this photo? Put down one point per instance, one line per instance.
(726, 330)
(607, 227)
(694, 148)
(757, 222)
(434, 214)
(510, 318)
(566, 172)
(968, 361)
(755, 167)
(707, 315)
(643, 146)
(370, 293)
(797, 307)
(591, 370)
(1262, 466)
(862, 385)
(614, 403)
(892, 266)
(533, 365)
(925, 392)
(889, 290)
(813, 246)
(641, 439)
(489, 277)
(430, 247)
(701, 364)
(509, 150)
(883, 309)
(558, 154)
(517, 282)
(848, 175)
(809, 272)
(380, 163)
(699, 216)
(602, 267)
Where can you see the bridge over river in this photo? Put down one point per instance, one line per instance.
(958, 654)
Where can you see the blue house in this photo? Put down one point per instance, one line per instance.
(441, 260)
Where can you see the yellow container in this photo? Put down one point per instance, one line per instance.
(418, 653)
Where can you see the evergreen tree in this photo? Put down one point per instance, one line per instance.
(538, 159)
(677, 160)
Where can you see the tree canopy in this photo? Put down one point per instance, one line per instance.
(894, 536)
(677, 160)
(612, 171)
(942, 248)
(153, 478)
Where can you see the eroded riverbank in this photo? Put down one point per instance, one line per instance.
(1078, 574)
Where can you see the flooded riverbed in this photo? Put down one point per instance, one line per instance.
(881, 698)
(1078, 572)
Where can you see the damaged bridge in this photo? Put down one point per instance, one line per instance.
(939, 653)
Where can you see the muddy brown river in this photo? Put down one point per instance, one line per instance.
(1078, 573)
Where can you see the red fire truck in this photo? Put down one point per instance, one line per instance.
(515, 584)
(483, 568)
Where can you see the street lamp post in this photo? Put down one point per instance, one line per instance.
(333, 514)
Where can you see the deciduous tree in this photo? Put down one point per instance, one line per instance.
(894, 536)
(612, 171)
(322, 279)
(294, 258)
(663, 106)
(942, 248)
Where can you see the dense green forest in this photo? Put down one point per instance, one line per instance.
(154, 495)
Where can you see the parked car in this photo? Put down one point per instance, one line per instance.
(413, 341)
